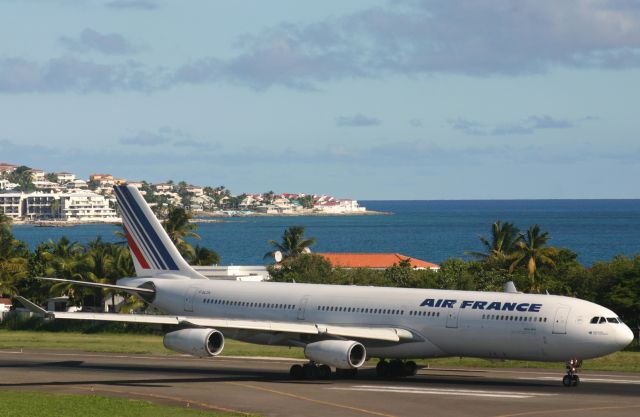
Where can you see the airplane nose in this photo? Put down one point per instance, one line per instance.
(625, 336)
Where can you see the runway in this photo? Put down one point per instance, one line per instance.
(262, 386)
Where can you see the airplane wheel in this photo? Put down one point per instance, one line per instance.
(410, 368)
(575, 380)
(324, 372)
(567, 380)
(397, 368)
(310, 371)
(296, 372)
(383, 369)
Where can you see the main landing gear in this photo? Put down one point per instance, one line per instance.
(312, 370)
(396, 368)
(571, 379)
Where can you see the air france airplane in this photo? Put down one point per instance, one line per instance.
(342, 326)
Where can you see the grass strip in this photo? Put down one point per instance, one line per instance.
(37, 404)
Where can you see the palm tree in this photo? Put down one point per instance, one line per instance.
(99, 261)
(293, 243)
(178, 228)
(64, 259)
(14, 255)
(532, 251)
(204, 256)
(504, 240)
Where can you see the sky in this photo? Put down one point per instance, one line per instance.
(397, 99)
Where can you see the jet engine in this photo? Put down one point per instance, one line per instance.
(343, 354)
(195, 342)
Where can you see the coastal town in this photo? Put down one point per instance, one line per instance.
(29, 195)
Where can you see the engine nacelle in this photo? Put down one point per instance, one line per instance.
(196, 342)
(343, 354)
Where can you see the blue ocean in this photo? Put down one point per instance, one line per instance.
(428, 230)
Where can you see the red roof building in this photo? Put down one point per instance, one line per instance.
(374, 260)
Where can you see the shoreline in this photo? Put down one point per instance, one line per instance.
(62, 223)
(215, 215)
(202, 217)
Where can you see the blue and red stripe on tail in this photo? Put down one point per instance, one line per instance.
(153, 252)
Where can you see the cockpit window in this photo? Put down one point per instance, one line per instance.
(600, 320)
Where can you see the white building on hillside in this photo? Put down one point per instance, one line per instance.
(45, 185)
(40, 205)
(338, 207)
(196, 190)
(162, 187)
(36, 174)
(86, 206)
(11, 205)
(81, 206)
(76, 185)
(65, 177)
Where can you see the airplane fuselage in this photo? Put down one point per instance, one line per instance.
(444, 322)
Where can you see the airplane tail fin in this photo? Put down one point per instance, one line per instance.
(152, 250)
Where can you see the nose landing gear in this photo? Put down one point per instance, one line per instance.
(571, 379)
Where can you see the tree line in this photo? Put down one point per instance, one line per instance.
(97, 261)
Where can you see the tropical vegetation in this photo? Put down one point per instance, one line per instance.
(97, 261)
(292, 245)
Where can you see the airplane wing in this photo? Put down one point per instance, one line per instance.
(386, 334)
(139, 290)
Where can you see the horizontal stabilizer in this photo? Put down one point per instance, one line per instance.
(99, 285)
(32, 307)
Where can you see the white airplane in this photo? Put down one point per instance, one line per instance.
(343, 326)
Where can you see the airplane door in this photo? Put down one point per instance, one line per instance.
(560, 322)
(452, 318)
(188, 298)
(302, 306)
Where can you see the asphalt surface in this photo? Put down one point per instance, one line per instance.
(262, 386)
